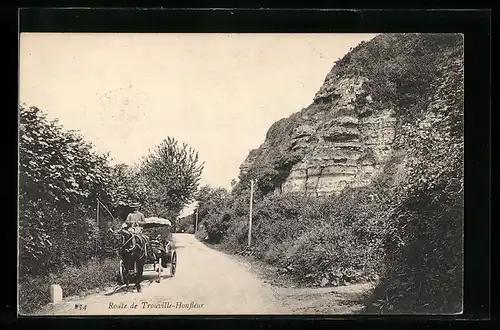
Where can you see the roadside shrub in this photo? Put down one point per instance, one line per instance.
(34, 292)
(279, 218)
(190, 230)
(201, 234)
(95, 274)
(328, 254)
(216, 225)
(343, 243)
(425, 260)
(51, 238)
(236, 238)
(184, 223)
(335, 237)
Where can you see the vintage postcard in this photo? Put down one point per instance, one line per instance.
(233, 174)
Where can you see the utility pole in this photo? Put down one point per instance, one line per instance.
(196, 224)
(97, 221)
(250, 215)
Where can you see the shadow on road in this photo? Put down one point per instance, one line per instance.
(118, 289)
(148, 279)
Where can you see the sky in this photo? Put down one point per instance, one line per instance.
(219, 93)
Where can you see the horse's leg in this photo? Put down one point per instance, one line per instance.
(126, 274)
(140, 269)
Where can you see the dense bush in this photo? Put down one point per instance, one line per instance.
(213, 206)
(277, 219)
(292, 231)
(190, 229)
(60, 179)
(201, 234)
(330, 254)
(237, 240)
(95, 274)
(330, 240)
(216, 225)
(184, 223)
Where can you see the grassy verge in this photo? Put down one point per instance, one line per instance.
(34, 292)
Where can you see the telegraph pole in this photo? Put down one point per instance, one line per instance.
(250, 215)
(196, 223)
(97, 221)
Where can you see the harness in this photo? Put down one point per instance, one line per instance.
(141, 239)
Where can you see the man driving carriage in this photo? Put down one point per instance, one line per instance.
(135, 220)
(135, 224)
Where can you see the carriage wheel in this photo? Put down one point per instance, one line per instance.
(123, 272)
(173, 265)
(159, 270)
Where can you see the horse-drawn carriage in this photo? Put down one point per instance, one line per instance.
(140, 250)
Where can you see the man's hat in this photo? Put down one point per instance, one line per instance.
(134, 205)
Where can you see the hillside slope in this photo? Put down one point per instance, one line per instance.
(347, 135)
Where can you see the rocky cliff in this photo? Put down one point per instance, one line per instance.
(348, 133)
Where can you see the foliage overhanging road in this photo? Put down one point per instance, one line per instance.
(206, 282)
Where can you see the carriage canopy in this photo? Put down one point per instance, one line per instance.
(153, 222)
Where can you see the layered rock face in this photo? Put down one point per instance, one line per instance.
(347, 135)
(341, 144)
(344, 145)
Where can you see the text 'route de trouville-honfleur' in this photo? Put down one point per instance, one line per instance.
(162, 305)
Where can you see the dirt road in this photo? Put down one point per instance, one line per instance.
(206, 282)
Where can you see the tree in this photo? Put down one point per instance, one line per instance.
(172, 173)
(57, 164)
(60, 177)
(126, 186)
(211, 199)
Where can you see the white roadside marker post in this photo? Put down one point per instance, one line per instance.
(56, 295)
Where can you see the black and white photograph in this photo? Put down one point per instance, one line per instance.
(241, 174)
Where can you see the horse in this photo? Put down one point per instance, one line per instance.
(134, 253)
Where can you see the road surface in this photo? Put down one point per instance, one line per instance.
(207, 282)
